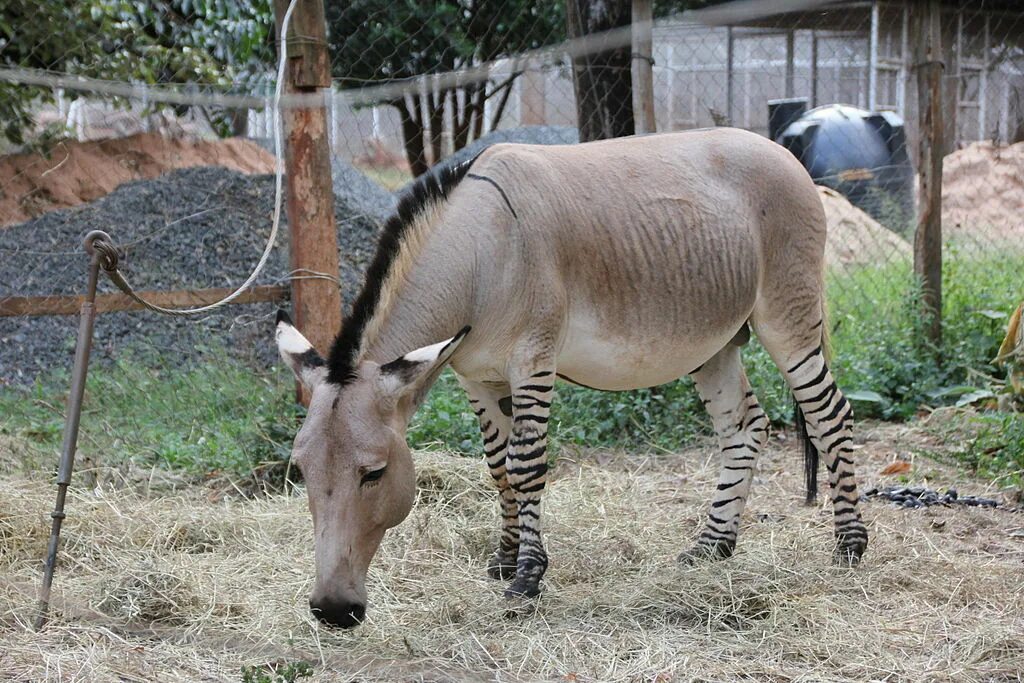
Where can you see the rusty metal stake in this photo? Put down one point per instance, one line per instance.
(72, 418)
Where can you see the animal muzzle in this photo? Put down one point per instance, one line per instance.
(340, 613)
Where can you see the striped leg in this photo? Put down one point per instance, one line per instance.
(828, 416)
(526, 467)
(742, 429)
(496, 427)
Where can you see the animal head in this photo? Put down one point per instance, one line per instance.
(354, 459)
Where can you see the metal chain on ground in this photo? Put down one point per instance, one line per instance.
(109, 257)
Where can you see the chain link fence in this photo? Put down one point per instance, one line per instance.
(169, 149)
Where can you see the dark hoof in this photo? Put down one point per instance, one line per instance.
(521, 588)
(518, 607)
(848, 552)
(706, 552)
(501, 567)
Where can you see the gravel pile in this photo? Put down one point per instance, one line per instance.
(528, 135)
(193, 228)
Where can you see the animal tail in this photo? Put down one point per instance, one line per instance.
(811, 455)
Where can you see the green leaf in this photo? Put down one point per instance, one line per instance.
(865, 396)
(992, 315)
(974, 397)
(950, 392)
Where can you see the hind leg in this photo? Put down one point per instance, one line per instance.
(742, 429)
(828, 415)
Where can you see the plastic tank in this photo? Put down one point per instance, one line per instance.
(861, 154)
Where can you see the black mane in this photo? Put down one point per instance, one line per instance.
(432, 186)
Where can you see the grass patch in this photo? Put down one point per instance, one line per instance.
(210, 420)
(991, 445)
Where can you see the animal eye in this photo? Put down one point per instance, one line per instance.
(373, 475)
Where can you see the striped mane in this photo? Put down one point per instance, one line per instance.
(400, 242)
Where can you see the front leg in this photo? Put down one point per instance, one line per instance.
(495, 427)
(527, 468)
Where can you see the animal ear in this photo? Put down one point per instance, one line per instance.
(298, 354)
(408, 378)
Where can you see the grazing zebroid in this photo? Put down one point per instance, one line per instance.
(617, 265)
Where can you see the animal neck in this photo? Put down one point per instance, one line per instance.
(417, 288)
(425, 299)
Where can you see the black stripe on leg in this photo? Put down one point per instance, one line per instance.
(809, 356)
(814, 382)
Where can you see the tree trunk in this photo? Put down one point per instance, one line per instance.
(411, 114)
(603, 80)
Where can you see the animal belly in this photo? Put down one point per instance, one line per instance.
(603, 362)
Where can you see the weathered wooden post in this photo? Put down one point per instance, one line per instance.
(316, 301)
(643, 66)
(931, 146)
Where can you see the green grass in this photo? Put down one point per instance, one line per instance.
(880, 347)
(991, 445)
(214, 419)
(226, 419)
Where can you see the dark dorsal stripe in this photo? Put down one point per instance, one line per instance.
(431, 187)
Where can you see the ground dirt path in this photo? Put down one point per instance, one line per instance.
(190, 586)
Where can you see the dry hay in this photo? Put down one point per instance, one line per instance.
(983, 194)
(855, 238)
(190, 586)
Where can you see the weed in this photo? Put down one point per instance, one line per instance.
(282, 672)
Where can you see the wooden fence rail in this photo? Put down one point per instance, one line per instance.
(107, 303)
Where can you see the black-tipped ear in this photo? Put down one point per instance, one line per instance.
(415, 372)
(283, 317)
(296, 351)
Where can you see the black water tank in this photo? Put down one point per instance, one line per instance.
(860, 154)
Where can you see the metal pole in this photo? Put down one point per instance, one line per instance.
(873, 59)
(730, 58)
(814, 69)
(72, 419)
(790, 63)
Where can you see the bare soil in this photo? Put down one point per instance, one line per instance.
(854, 237)
(73, 173)
(190, 586)
(983, 194)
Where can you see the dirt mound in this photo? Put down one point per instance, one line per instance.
(74, 173)
(983, 194)
(855, 238)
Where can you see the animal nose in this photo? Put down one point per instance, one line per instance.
(338, 613)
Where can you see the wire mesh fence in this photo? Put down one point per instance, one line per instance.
(186, 85)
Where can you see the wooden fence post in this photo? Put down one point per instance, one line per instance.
(643, 66)
(316, 301)
(931, 146)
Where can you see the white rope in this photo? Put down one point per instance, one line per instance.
(122, 283)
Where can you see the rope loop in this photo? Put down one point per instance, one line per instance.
(98, 243)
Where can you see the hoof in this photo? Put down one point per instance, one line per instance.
(706, 552)
(518, 607)
(501, 567)
(850, 546)
(848, 553)
(521, 589)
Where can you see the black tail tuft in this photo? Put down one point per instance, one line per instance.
(810, 454)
